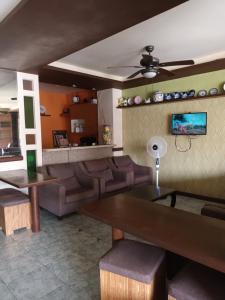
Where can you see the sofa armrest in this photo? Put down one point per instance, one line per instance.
(144, 170)
(52, 195)
(123, 175)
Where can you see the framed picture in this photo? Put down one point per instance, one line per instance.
(60, 138)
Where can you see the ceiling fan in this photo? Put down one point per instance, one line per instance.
(150, 66)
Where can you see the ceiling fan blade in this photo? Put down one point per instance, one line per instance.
(134, 74)
(165, 72)
(139, 67)
(177, 63)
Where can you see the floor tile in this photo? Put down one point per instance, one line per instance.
(5, 293)
(12, 269)
(35, 285)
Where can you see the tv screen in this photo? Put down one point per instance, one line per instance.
(189, 124)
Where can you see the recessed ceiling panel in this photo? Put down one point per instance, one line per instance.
(192, 30)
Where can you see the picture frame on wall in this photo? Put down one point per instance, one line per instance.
(60, 138)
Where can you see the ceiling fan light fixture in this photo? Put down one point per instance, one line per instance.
(151, 73)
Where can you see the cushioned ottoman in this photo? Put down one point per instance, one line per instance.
(214, 210)
(132, 270)
(197, 282)
(14, 210)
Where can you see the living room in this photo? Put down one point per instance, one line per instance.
(87, 146)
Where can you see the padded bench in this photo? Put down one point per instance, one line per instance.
(133, 270)
(14, 210)
(197, 282)
(214, 211)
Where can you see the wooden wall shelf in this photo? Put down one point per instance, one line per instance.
(172, 101)
(10, 158)
(45, 115)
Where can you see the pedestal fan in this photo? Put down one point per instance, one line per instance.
(157, 148)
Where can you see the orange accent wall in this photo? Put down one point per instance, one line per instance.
(55, 102)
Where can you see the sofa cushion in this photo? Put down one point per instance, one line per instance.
(79, 194)
(114, 185)
(70, 183)
(106, 174)
(96, 165)
(61, 171)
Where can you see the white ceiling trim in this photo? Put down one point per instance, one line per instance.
(70, 67)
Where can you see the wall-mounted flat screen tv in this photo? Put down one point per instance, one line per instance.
(189, 123)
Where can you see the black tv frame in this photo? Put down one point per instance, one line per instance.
(191, 134)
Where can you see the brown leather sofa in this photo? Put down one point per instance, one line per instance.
(72, 189)
(82, 182)
(111, 180)
(140, 174)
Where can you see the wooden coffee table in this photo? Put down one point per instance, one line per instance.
(199, 238)
(24, 179)
(151, 193)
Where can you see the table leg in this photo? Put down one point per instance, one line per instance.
(173, 200)
(35, 216)
(117, 234)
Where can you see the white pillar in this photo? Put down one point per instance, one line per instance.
(108, 114)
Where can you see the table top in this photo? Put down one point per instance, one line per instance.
(23, 178)
(150, 192)
(199, 238)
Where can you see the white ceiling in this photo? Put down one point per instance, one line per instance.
(6, 6)
(193, 30)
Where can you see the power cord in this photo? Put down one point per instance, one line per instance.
(180, 149)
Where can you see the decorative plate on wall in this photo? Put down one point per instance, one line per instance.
(213, 91)
(202, 93)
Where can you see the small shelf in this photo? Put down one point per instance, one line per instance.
(45, 115)
(172, 101)
(65, 114)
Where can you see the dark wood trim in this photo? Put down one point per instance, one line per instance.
(172, 101)
(64, 77)
(64, 27)
(115, 149)
(201, 197)
(12, 158)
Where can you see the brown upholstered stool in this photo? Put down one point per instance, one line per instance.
(214, 210)
(197, 282)
(133, 270)
(14, 210)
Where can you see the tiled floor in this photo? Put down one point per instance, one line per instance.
(60, 262)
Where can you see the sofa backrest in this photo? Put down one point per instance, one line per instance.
(99, 168)
(65, 172)
(123, 161)
(61, 171)
(96, 165)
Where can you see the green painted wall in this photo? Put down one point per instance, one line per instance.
(200, 170)
(196, 82)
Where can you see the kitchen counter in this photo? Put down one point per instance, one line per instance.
(73, 154)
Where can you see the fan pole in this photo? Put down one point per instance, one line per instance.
(157, 163)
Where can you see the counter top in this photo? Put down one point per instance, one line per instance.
(77, 148)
